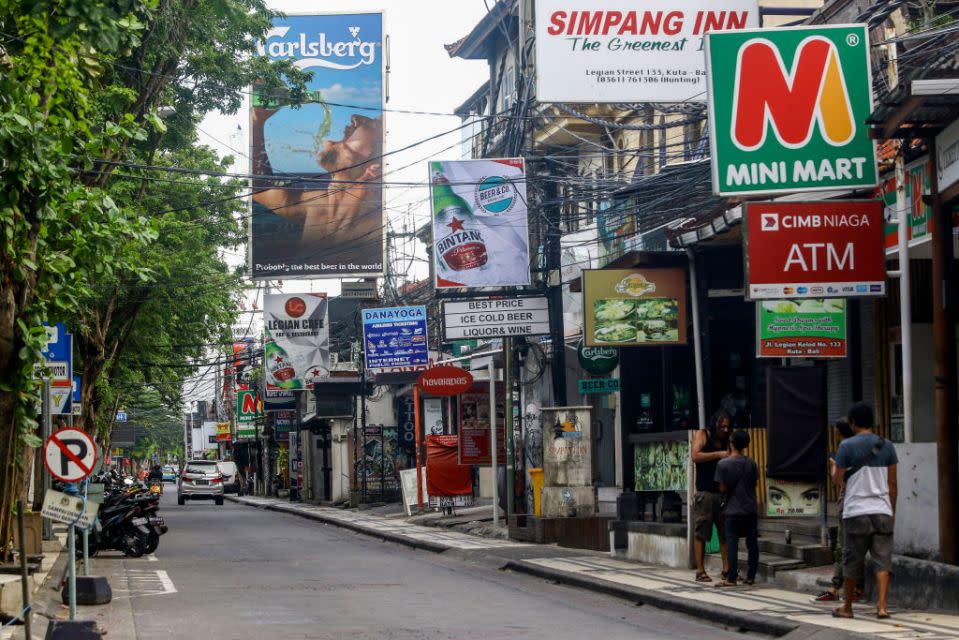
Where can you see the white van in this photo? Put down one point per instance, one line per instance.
(232, 482)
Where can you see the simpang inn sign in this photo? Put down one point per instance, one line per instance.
(626, 51)
(788, 110)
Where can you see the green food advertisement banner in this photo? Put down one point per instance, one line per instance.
(661, 466)
(812, 328)
(642, 306)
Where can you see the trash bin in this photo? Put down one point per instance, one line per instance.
(536, 475)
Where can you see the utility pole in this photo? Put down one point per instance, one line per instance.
(944, 332)
(554, 292)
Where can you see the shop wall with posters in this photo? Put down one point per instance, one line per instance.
(317, 203)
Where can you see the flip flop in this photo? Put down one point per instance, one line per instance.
(725, 583)
(884, 615)
(839, 613)
(703, 577)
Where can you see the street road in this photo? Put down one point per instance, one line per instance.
(239, 572)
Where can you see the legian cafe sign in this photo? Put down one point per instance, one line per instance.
(788, 110)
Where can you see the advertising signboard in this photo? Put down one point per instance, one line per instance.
(223, 432)
(599, 385)
(296, 333)
(248, 409)
(785, 499)
(283, 421)
(615, 51)
(317, 199)
(918, 175)
(811, 328)
(496, 318)
(814, 249)
(629, 307)
(598, 360)
(480, 228)
(474, 440)
(787, 109)
(395, 337)
(279, 400)
(660, 464)
(445, 380)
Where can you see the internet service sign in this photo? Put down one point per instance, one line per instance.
(788, 110)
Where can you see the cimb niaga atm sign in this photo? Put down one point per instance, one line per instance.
(814, 249)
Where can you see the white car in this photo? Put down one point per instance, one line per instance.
(200, 479)
(231, 477)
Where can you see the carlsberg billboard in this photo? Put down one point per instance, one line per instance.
(788, 110)
(317, 194)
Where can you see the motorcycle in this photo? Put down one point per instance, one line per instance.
(128, 520)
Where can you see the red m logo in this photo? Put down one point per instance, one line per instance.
(793, 101)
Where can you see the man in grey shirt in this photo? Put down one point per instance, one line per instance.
(867, 464)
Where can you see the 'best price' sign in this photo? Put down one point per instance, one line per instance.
(814, 249)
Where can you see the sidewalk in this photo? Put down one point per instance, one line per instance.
(11, 598)
(763, 609)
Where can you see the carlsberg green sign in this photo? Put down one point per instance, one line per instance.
(788, 109)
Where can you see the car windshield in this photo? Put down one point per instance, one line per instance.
(195, 467)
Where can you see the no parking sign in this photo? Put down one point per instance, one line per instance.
(70, 455)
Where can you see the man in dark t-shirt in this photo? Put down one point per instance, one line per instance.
(737, 476)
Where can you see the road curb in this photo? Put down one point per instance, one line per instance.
(721, 615)
(351, 526)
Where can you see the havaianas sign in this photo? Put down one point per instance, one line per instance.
(788, 110)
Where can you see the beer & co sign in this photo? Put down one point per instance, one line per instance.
(814, 249)
(788, 110)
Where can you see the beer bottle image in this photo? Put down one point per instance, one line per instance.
(279, 365)
(459, 242)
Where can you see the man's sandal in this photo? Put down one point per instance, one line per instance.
(841, 613)
(702, 576)
(725, 583)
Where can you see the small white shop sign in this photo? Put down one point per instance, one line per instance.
(947, 156)
(484, 318)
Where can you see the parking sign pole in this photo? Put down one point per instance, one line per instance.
(86, 536)
(72, 566)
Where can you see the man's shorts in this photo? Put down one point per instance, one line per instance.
(872, 533)
(708, 511)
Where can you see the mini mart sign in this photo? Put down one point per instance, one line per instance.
(787, 110)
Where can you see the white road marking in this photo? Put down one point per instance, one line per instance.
(167, 583)
(152, 558)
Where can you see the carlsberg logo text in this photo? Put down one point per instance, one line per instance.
(309, 50)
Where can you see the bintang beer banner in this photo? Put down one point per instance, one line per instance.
(296, 340)
(317, 203)
(480, 229)
(627, 51)
(788, 110)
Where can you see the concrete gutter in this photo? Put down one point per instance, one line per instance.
(382, 535)
(743, 620)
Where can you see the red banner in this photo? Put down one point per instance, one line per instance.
(444, 475)
(814, 249)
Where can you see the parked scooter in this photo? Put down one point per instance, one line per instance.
(128, 520)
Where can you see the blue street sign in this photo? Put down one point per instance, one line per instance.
(121, 416)
(58, 352)
(76, 389)
(395, 337)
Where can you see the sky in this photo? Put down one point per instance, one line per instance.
(422, 77)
